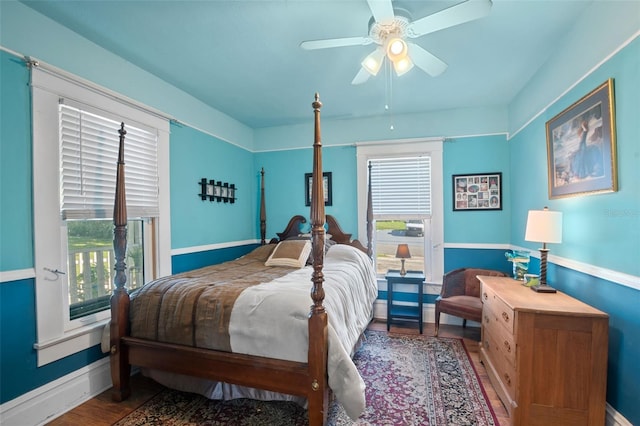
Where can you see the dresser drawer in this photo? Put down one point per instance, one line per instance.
(503, 343)
(495, 310)
(505, 370)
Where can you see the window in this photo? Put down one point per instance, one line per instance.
(401, 202)
(88, 157)
(75, 146)
(406, 188)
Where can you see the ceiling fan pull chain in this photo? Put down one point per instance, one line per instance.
(389, 93)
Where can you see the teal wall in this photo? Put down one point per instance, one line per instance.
(16, 244)
(601, 234)
(284, 185)
(600, 230)
(195, 155)
(480, 154)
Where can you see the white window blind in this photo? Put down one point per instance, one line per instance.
(88, 160)
(401, 187)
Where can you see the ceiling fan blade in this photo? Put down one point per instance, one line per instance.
(426, 61)
(454, 15)
(335, 42)
(362, 76)
(382, 10)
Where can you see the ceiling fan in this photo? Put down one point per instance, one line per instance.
(390, 27)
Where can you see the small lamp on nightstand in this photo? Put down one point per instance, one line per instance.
(402, 253)
(544, 226)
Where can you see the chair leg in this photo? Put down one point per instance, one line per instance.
(437, 319)
(464, 323)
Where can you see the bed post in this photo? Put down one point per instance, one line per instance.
(120, 368)
(263, 211)
(318, 395)
(369, 217)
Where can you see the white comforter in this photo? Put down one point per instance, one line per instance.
(258, 326)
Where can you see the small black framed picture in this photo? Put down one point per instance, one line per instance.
(326, 180)
(479, 191)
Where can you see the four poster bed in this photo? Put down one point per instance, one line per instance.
(244, 328)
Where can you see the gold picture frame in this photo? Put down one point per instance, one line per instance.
(581, 146)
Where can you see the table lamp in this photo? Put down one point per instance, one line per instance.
(402, 252)
(544, 226)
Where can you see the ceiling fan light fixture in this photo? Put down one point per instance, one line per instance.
(396, 48)
(373, 62)
(403, 66)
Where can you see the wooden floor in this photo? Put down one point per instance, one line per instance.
(101, 411)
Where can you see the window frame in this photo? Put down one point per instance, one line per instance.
(57, 336)
(434, 226)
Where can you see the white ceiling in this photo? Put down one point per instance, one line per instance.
(243, 57)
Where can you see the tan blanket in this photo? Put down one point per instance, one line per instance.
(194, 308)
(271, 319)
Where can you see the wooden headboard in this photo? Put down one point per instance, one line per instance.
(333, 228)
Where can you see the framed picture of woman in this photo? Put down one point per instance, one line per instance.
(581, 146)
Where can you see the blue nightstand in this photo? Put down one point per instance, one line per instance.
(405, 311)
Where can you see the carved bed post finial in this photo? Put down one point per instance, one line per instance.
(369, 217)
(120, 218)
(318, 396)
(120, 368)
(263, 210)
(317, 213)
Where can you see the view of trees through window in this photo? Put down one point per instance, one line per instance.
(91, 264)
(390, 233)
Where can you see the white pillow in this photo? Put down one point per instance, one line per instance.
(292, 253)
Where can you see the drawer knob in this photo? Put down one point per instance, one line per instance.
(484, 296)
(507, 346)
(505, 316)
(486, 319)
(486, 344)
(507, 379)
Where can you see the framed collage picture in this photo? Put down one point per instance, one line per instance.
(480, 191)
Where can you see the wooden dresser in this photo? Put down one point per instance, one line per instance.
(545, 353)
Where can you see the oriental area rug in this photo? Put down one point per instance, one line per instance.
(411, 380)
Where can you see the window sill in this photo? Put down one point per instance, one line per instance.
(70, 343)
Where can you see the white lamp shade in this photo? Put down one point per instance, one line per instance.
(544, 226)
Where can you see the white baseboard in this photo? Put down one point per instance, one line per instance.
(428, 314)
(47, 402)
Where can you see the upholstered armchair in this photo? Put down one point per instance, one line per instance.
(460, 295)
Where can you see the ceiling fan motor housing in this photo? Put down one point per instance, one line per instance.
(380, 32)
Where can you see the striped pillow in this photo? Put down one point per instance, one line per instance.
(292, 253)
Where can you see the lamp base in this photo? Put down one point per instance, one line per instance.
(403, 272)
(543, 288)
